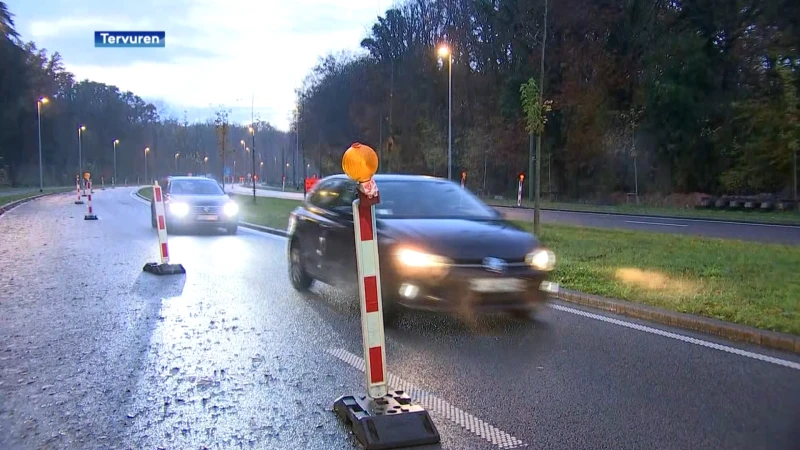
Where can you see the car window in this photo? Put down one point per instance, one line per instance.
(324, 194)
(336, 194)
(429, 199)
(194, 187)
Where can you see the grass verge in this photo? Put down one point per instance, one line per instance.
(269, 212)
(8, 198)
(146, 192)
(741, 282)
(787, 218)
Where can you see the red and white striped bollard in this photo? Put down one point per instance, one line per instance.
(90, 213)
(370, 288)
(78, 190)
(388, 419)
(164, 267)
(519, 190)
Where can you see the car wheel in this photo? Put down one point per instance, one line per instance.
(231, 229)
(297, 271)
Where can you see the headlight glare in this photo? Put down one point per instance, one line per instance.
(541, 259)
(230, 209)
(412, 258)
(179, 209)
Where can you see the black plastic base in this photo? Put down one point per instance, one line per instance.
(78, 202)
(392, 421)
(90, 217)
(164, 269)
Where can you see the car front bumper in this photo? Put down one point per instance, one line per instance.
(471, 290)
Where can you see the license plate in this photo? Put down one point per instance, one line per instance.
(209, 218)
(497, 285)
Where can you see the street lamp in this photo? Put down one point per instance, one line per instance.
(39, 103)
(81, 129)
(114, 180)
(176, 161)
(253, 156)
(205, 164)
(444, 51)
(146, 150)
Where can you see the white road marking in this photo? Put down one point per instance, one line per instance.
(259, 232)
(657, 223)
(137, 198)
(440, 407)
(680, 337)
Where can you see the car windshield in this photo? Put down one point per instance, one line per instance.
(195, 187)
(429, 199)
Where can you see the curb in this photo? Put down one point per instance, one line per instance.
(652, 216)
(715, 327)
(269, 230)
(11, 205)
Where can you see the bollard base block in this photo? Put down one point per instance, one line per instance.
(90, 217)
(164, 269)
(78, 202)
(392, 421)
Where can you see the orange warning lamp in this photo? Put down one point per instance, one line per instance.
(86, 176)
(360, 162)
(521, 177)
(463, 174)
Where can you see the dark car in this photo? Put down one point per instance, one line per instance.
(197, 202)
(440, 248)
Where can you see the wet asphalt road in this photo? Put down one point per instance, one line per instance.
(767, 233)
(96, 354)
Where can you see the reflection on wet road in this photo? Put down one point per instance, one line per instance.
(96, 354)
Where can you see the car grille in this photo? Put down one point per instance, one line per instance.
(206, 209)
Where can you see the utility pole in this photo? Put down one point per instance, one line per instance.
(537, 199)
(253, 145)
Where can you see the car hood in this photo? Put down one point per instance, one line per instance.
(463, 241)
(201, 200)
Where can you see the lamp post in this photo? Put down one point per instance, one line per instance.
(444, 51)
(81, 129)
(253, 157)
(146, 150)
(176, 161)
(39, 103)
(114, 180)
(205, 164)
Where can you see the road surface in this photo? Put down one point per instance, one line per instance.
(774, 234)
(97, 354)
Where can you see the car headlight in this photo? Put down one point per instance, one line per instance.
(541, 259)
(179, 209)
(230, 209)
(412, 258)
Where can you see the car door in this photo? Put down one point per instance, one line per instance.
(314, 226)
(340, 252)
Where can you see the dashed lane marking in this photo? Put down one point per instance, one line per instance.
(440, 407)
(680, 337)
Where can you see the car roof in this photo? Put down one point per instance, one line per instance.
(378, 177)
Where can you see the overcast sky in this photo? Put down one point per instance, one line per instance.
(217, 51)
